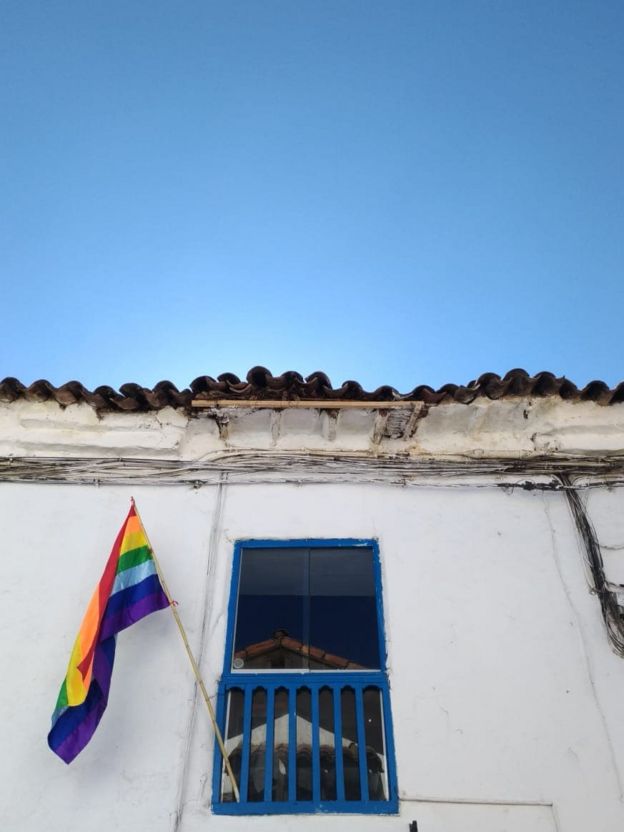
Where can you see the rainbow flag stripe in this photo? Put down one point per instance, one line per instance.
(128, 591)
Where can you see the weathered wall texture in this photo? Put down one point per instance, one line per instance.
(506, 693)
(510, 426)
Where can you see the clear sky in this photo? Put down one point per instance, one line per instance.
(396, 192)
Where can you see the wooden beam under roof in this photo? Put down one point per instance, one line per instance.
(320, 404)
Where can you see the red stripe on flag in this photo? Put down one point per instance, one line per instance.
(104, 590)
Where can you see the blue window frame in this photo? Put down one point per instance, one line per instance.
(303, 702)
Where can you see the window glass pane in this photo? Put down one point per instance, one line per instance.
(255, 787)
(327, 742)
(233, 743)
(350, 757)
(343, 609)
(280, 746)
(273, 610)
(304, 744)
(375, 754)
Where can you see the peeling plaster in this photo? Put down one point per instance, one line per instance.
(484, 427)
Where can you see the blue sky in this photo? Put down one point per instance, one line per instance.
(396, 192)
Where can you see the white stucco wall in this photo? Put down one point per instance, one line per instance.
(506, 695)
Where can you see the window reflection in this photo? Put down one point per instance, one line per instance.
(272, 605)
(233, 742)
(350, 757)
(306, 609)
(327, 742)
(255, 786)
(375, 753)
(343, 615)
(304, 744)
(280, 746)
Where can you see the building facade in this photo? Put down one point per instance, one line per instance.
(407, 609)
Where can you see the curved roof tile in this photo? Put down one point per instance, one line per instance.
(261, 384)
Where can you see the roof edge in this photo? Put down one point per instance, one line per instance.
(260, 385)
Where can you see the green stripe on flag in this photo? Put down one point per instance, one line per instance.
(61, 702)
(133, 558)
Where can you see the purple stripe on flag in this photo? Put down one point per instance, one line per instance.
(76, 725)
(124, 617)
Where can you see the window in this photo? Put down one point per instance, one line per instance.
(303, 702)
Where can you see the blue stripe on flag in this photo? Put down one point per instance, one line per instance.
(130, 577)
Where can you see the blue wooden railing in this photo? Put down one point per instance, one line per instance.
(363, 778)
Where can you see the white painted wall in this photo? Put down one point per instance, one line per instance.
(507, 699)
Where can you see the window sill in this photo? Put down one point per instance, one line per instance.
(350, 807)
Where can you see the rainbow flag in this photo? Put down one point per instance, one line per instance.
(128, 591)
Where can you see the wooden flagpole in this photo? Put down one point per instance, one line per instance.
(198, 677)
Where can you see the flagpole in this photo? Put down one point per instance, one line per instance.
(198, 677)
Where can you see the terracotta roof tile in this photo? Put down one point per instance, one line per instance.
(337, 661)
(260, 385)
(282, 639)
(289, 643)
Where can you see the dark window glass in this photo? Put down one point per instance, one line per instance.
(272, 605)
(304, 744)
(233, 742)
(311, 609)
(343, 614)
(280, 746)
(375, 753)
(327, 744)
(257, 751)
(350, 758)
